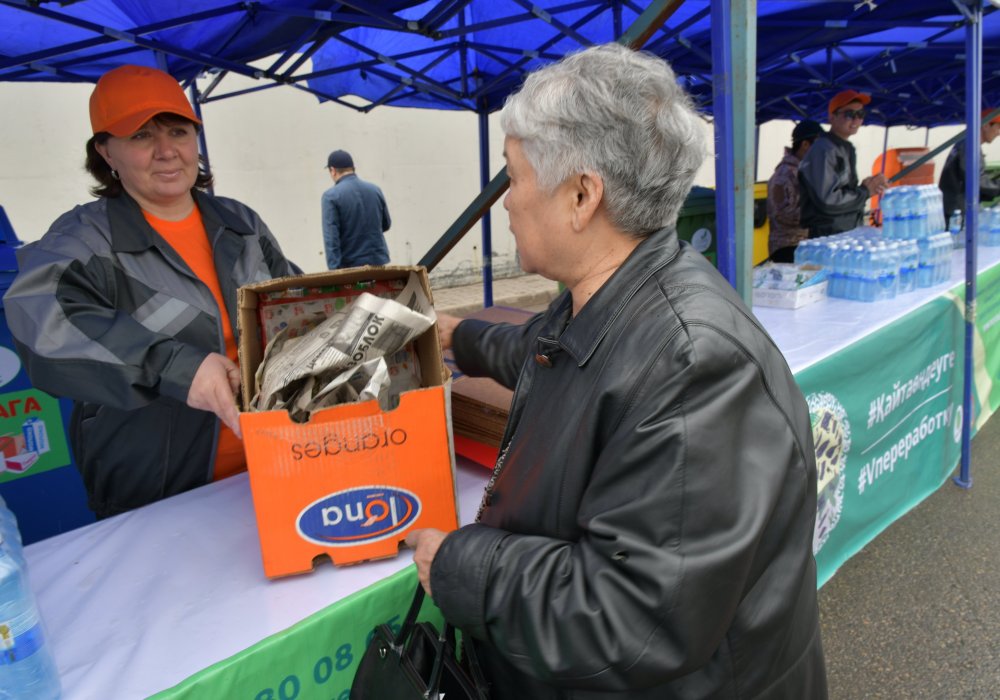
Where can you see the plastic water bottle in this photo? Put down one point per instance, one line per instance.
(26, 666)
(825, 256)
(888, 206)
(887, 268)
(935, 216)
(836, 276)
(925, 263)
(920, 222)
(955, 229)
(871, 262)
(942, 257)
(802, 252)
(895, 261)
(10, 535)
(10, 539)
(909, 262)
(993, 234)
(904, 214)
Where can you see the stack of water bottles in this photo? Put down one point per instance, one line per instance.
(912, 250)
(26, 666)
(912, 212)
(988, 230)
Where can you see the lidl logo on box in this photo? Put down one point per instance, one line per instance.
(366, 514)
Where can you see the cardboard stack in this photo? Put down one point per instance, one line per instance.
(479, 405)
(354, 480)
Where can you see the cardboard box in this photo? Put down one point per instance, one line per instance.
(789, 298)
(479, 405)
(354, 480)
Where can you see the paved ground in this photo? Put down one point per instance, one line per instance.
(524, 292)
(916, 614)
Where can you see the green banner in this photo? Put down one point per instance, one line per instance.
(314, 659)
(886, 415)
(987, 343)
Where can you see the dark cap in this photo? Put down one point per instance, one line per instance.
(340, 159)
(806, 130)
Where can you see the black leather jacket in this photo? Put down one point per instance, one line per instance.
(649, 534)
(952, 183)
(832, 199)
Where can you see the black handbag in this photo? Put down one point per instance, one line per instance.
(419, 663)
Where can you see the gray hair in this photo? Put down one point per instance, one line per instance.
(619, 113)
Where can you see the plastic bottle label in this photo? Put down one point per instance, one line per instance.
(20, 638)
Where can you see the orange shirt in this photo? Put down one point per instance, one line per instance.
(190, 240)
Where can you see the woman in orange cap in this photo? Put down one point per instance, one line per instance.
(127, 304)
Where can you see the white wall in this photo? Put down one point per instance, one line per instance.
(269, 149)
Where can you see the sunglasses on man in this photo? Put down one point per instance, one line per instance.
(852, 113)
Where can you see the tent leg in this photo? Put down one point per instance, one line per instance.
(484, 179)
(973, 93)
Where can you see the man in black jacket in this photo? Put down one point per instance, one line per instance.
(952, 182)
(648, 529)
(832, 198)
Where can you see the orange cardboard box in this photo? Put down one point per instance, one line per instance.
(354, 480)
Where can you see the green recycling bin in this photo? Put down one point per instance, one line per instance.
(696, 222)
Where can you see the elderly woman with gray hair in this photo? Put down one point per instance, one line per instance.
(647, 532)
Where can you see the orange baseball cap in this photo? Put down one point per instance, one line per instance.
(986, 113)
(846, 97)
(127, 97)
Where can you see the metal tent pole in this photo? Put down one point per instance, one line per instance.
(734, 62)
(484, 180)
(645, 25)
(202, 139)
(973, 98)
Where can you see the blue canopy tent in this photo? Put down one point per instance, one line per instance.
(744, 61)
(465, 55)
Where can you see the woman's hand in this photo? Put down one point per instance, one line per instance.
(426, 542)
(214, 389)
(446, 327)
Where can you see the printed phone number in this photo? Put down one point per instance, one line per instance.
(322, 672)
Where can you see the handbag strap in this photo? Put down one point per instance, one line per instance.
(444, 640)
(411, 618)
(472, 661)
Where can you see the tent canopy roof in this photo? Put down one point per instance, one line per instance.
(464, 55)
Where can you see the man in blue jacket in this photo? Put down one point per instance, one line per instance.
(355, 217)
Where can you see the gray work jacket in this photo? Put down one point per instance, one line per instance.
(103, 311)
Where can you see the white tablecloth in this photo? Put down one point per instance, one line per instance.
(139, 602)
(812, 333)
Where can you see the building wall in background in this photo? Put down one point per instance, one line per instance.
(268, 149)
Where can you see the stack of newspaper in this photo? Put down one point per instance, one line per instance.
(363, 351)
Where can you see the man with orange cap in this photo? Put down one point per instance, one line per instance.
(832, 198)
(952, 182)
